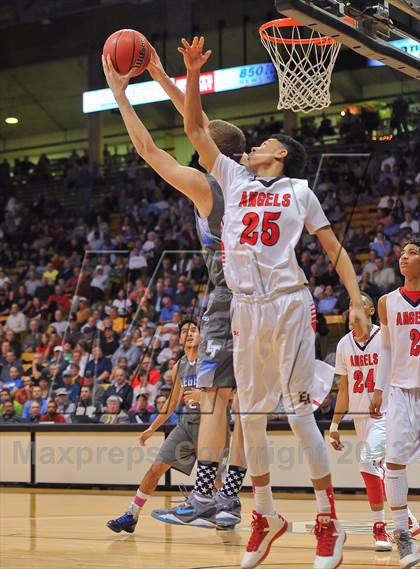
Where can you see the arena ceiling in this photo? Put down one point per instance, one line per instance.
(45, 47)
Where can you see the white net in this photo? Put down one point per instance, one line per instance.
(304, 60)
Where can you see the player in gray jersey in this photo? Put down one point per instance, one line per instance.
(179, 449)
(215, 362)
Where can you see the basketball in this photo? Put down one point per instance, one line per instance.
(128, 49)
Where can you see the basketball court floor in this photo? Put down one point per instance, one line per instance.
(66, 530)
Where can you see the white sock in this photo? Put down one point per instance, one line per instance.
(396, 486)
(323, 502)
(264, 503)
(400, 519)
(378, 516)
(139, 500)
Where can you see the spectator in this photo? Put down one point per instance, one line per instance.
(359, 243)
(381, 246)
(100, 366)
(8, 413)
(34, 412)
(59, 323)
(16, 320)
(109, 342)
(183, 295)
(13, 382)
(330, 277)
(113, 414)
(73, 334)
(161, 402)
(383, 277)
(6, 396)
(84, 311)
(64, 406)
(98, 284)
(327, 301)
(52, 416)
(97, 391)
(36, 397)
(10, 361)
(168, 309)
(32, 283)
(58, 300)
(24, 394)
(121, 388)
(140, 412)
(33, 338)
(71, 382)
(122, 303)
(128, 350)
(86, 411)
(408, 222)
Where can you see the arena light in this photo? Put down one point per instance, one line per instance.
(11, 120)
(217, 81)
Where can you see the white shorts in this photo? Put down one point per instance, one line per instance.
(371, 434)
(274, 352)
(403, 426)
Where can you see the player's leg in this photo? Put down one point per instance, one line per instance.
(256, 374)
(227, 501)
(297, 368)
(372, 433)
(128, 521)
(177, 451)
(402, 447)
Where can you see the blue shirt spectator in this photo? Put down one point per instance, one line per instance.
(36, 396)
(168, 309)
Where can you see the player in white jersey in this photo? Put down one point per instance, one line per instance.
(399, 313)
(266, 209)
(356, 366)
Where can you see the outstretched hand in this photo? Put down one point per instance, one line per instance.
(155, 67)
(194, 58)
(117, 83)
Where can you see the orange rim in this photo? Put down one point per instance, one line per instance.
(289, 23)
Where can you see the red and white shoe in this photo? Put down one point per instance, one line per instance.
(382, 542)
(330, 538)
(413, 526)
(265, 530)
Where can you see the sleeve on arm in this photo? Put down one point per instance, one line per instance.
(340, 362)
(315, 217)
(224, 171)
(383, 371)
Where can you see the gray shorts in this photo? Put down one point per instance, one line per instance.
(180, 448)
(215, 355)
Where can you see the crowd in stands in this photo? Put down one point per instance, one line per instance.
(90, 304)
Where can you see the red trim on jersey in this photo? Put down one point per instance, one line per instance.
(313, 316)
(413, 295)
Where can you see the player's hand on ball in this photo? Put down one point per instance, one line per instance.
(155, 67)
(376, 404)
(116, 82)
(194, 58)
(336, 441)
(359, 323)
(144, 436)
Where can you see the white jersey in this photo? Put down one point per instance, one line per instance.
(360, 363)
(264, 219)
(404, 329)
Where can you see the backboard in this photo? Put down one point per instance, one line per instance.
(388, 32)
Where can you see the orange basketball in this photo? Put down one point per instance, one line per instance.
(128, 49)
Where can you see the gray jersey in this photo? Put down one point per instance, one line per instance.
(209, 231)
(187, 375)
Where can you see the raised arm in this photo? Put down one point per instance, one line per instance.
(158, 74)
(189, 181)
(344, 267)
(194, 126)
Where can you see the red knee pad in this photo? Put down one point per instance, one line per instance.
(374, 488)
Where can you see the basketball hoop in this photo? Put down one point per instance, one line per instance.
(304, 60)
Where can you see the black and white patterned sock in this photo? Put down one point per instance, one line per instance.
(206, 476)
(233, 482)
